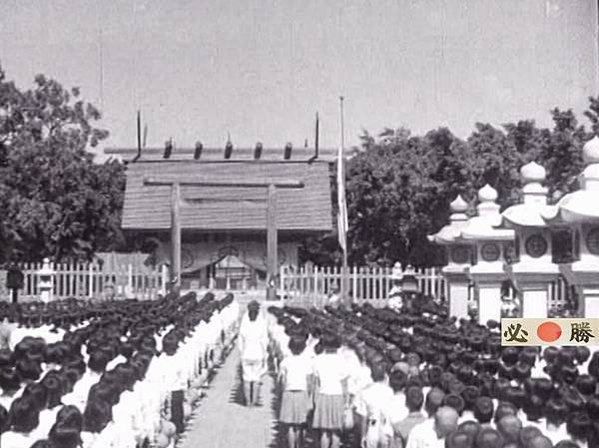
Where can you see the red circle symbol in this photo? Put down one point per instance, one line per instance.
(549, 332)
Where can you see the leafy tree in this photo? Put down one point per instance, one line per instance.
(57, 203)
(400, 186)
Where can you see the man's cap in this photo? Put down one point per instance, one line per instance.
(253, 305)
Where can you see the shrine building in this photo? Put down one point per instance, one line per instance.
(223, 229)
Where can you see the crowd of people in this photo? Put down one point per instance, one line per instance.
(107, 374)
(415, 377)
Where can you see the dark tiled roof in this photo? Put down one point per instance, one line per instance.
(217, 208)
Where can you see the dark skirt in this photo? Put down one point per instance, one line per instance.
(294, 407)
(328, 412)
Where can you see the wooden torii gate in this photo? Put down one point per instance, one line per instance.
(271, 186)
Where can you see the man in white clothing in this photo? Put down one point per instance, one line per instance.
(253, 343)
(432, 433)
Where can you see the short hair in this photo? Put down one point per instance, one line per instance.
(64, 436)
(297, 345)
(38, 394)
(377, 372)
(433, 401)
(483, 409)
(397, 380)
(414, 399)
(10, 380)
(24, 415)
(29, 369)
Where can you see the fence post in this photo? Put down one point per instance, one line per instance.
(90, 290)
(164, 275)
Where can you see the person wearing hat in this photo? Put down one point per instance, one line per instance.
(253, 343)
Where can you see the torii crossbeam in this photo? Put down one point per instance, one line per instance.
(271, 213)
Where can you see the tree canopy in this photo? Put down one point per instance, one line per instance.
(56, 201)
(399, 186)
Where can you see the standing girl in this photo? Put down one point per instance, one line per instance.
(295, 375)
(330, 375)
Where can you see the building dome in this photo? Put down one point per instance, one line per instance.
(590, 151)
(487, 194)
(533, 172)
(458, 205)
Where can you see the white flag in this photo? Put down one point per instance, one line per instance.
(342, 214)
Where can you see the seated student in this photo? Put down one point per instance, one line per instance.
(295, 375)
(414, 400)
(24, 419)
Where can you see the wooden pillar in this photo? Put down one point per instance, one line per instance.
(175, 235)
(271, 242)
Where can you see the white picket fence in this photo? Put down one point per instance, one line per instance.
(93, 281)
(311, 285)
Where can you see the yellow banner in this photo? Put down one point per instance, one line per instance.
(535, 332)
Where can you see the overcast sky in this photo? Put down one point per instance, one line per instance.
(260, 69)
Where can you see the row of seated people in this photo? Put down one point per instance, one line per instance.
(116, 373)
(475, 393)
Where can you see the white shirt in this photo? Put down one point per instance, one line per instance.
(296, 369)
(330, 371)
(253, 340)
(11, 439)
(374, 400)
(423, 435)
(397, 409)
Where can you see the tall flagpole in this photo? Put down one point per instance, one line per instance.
(344, 275)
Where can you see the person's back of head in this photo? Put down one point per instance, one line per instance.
(454, 401)
(470, 427)
(527, 434)
(377, 373)
(70, 415)
(503, 409)
(23, 415)
(579, 426)
(10, 380)
(64, 436)
(29, 368)
(509, 427)
(489, 438)
(458, 439)
(414, 399)
(484, 409)
(446, 421)
(541, 442)
(397, 380)
(297, 344)
(38, 394)
(433, 401)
